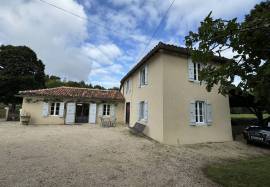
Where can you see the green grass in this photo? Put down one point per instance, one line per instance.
(244, 173)
(247, 116)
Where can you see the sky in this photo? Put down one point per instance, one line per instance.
(106, 38)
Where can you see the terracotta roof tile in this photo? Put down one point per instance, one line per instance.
(75, 92)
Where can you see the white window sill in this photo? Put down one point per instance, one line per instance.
(143, 85)
(54, 115)
(201, 124)
(143, 121)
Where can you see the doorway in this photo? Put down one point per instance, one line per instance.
(82, 113)
(127, 113)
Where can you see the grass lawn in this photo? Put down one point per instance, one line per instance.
(246, 116)
(254, 172)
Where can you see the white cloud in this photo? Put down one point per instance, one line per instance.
(113, 39)
(185, 15)
(55, 36)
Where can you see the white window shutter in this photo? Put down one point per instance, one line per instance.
(190, 70)
(209, 112)
(100, 110)
(70, 113)
(192, 113)
(145, 110)
(61, 109)
(45, 109)
(138, 110)
(112, 112)
(146, 74)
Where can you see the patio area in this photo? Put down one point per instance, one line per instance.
(89, 155)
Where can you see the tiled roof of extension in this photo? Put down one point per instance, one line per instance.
(74, 92)
(167, 48)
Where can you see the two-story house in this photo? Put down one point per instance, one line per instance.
(163, 92)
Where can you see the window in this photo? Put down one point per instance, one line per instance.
(106, 109)
(197, 69)
(200, 111)
(127, 86)
(55, 109)
(141, 110)
(142, 77)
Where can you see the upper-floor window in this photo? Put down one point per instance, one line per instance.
(194, 69)
(106, 110)
(54, 110)
(197, 69)
(128, 86)
(143, 78)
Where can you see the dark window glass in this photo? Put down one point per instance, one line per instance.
(52, 108)
(104, 110)
(195, 71)
(57, 108)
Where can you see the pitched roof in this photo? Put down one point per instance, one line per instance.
(75, 93)
(163, 47)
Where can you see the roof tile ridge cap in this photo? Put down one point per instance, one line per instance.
(95, 89)
(40, 89)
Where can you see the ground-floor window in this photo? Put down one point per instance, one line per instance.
(143, 110)
(200, 111)
(106, 109)
(55, 109)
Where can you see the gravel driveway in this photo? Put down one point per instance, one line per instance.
(87, 155)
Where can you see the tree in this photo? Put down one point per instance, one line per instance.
(250, 43)
(20, 69)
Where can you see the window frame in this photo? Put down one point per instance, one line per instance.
(107, 109)
(197, 68)
(127, 86)
(53, 108)
(141, 110)
(200, 112)
(143, 78)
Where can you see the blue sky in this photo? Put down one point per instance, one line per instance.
(111, 39)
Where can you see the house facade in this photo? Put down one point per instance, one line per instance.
(68, 105)
(163, 92)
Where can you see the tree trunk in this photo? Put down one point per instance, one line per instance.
(12, 108)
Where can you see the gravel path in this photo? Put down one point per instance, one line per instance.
(55, 155)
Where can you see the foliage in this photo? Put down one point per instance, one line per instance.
(250, 43)
(252, 172)
(55, 81)
(20, 69)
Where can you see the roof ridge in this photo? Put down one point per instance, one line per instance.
(84, 88)
(66, 87)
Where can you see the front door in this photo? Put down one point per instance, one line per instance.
(127, 113)
(82, 112)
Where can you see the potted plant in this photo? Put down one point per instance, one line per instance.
(24, 118)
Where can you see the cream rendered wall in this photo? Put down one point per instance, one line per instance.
(119, 112)
(35, 110)
(178, 93)
(152, 93)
